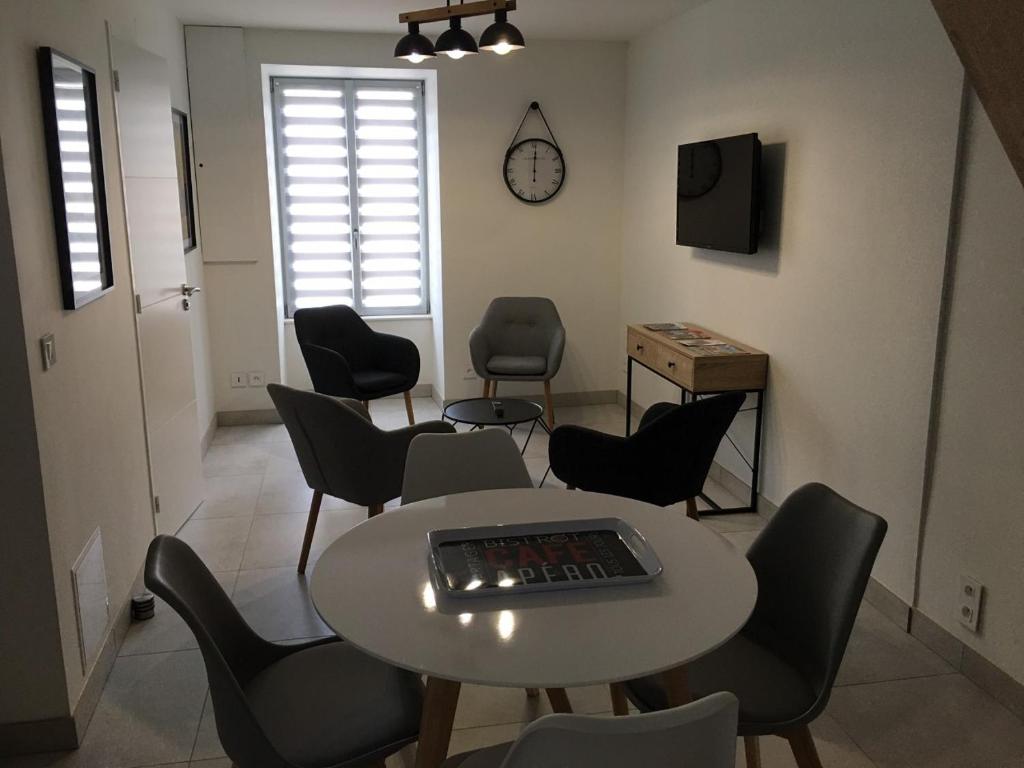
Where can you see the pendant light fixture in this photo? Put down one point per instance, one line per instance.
(501, 37)
(414, 47)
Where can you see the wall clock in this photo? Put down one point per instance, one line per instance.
(534, 169)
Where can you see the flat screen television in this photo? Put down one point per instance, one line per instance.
(718, 189)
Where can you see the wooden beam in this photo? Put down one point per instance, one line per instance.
(988, 36)
(462, 10)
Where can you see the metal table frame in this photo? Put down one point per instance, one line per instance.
(754, 463)
(538, 419)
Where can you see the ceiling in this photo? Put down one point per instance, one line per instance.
(541, 19)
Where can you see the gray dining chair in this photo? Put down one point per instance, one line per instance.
(519, 338)
(812, 562)
(701, 734)
(341, 452)
(482, 460)
(318, 703)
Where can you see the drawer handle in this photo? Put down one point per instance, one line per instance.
(671, 364)
(639, 347)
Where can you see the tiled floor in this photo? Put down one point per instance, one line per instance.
(896, 703)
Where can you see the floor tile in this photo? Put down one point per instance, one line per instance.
(250, 433)
(835, 748)
(879, 650)
(466, 739)
(484, 706)
(219, 541)
(166, 631)
(217, 762)
(234, 459)
(207, 744)
(741, 539)
(276, 540)
(275, 602)
(537, 468)
(939, 722)
(230, 496)
(731, 523)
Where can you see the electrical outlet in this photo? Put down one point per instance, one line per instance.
(256, 379)
(469, 374)
(237, 380)
(969, 604)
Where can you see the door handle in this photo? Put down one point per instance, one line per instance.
(188, 290)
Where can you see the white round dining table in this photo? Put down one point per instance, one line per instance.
(373, 588)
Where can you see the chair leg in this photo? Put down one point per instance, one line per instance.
(494, 388)
(307, 541)
(802, 744)
(752, 749)
(487, 388)
(408, 408)
(691, 509)
(620, 702)
(374, 509)
(549, 405)
(532, 693)
(559, 700)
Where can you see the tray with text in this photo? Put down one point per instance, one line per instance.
(539, 557)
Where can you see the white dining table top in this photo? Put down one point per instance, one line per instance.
(372, 587)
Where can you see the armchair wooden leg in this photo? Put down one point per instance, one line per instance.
(802, 744)
(559, 700)
(408, 408)
(533, 693)
(494, 388)
(487, 388)
(307, 541)
(691, 509)
(549, 406)
(620, 702)
(374, 509)
(752, 749)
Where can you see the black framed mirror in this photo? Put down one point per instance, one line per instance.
(77, 189)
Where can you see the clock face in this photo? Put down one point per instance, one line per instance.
(700, 166)
(534, 170)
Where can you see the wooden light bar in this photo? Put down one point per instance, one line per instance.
(462, 11)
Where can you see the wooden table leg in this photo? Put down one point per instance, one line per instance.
(620, 701)
(559, 700)
(752, 749)
(676, 686)
(439, 703)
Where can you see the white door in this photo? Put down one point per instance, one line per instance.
(143, 102)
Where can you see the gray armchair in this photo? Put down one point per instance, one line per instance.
(520, 338)
(342, 453)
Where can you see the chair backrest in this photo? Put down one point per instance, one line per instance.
(340, 451)
(438, 465)
(337, 327)
(812, 561)
(232, 652)
(698, 735)
(681, 443)
(520, 325)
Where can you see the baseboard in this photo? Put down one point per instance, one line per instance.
(271, 416)
(64, 733)
(888, 603)
(207, 438)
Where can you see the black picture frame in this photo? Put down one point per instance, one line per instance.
(183, 161)
(78, 192)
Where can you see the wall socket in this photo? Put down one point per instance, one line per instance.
(969, 602)
(256, 379)
(469, 374)
(238, 380)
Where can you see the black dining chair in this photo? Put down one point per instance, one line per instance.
(319, 703)
(812, 562)
(347, 358)
(666, 461)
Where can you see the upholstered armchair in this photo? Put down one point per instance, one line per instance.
(347, 358)
(520, 338)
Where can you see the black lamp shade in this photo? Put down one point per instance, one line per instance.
(456, 42)
(502, 37)
(414, 47)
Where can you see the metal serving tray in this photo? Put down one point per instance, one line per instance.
(525, 558)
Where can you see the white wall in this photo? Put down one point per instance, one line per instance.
(490, 244)
(975, 521)
(857, 105)
(88, 409)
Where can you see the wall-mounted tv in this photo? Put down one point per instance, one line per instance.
(718, 189)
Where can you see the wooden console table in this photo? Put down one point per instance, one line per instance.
(698, 374)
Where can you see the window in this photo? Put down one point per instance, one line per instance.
(351, 190)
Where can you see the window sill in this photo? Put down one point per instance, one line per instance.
(371, 318)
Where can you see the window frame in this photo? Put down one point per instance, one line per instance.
(348, 87)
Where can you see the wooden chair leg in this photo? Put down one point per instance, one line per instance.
(802, 744)
(408, 408)
(374, 509)
(533, 693)
(439, 703)
(691, 509)
(559, 700)
(677, 686)
(549, 405)
(487, 388)
(494, 388)
(752, 749)
(307, 541)
(620, 702)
